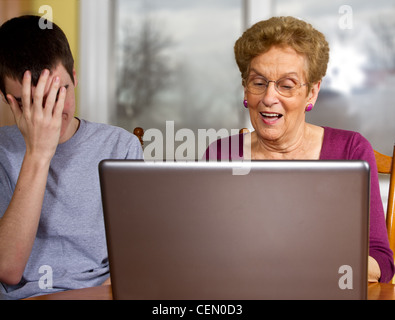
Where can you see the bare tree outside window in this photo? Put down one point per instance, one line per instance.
(143, 71)
(175, 63)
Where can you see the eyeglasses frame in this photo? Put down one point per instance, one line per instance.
(245, 84)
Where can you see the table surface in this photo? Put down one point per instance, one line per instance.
(376, 291)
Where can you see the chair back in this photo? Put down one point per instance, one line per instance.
(139, 132)
(386, 165)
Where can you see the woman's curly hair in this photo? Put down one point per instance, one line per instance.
(284, 32)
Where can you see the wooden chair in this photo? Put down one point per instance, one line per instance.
(386, 165)
(139, 132)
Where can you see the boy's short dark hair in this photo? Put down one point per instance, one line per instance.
(26, 46)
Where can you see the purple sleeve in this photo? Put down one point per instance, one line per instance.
(340, 144)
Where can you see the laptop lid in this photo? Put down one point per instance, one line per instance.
(246, 230)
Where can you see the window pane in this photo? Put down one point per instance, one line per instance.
(357, 92)
(176, 63)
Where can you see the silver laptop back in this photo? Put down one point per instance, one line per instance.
(273, 230)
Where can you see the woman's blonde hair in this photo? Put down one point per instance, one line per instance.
(284, 32)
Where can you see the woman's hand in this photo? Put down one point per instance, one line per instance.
(374, 272)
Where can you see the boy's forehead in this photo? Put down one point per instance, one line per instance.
(14, 86)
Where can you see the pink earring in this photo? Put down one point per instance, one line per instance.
(245, 103)
(309, 107)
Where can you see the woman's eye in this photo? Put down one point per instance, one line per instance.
(259, 82)
(286, 84)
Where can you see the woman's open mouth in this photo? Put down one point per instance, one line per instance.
(270, 117)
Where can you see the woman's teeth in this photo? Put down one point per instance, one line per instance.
(271, 115)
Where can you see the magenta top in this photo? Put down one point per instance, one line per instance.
(338, 145)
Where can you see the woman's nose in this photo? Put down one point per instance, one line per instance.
(270, 95)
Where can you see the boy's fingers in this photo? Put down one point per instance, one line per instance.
(40, 90)
(51, 98)
(27, 90)
(58, 109)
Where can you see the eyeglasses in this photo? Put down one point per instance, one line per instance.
(285, 86)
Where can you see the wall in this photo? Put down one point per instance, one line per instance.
(66, 16)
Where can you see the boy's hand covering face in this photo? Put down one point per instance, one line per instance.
(40, 117)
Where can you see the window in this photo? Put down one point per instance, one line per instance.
(175, 63)
(357, 92)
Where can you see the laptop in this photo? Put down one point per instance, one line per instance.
(236, 230)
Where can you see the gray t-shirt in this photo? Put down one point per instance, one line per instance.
(70, 250)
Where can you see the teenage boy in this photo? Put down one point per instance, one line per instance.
(52, 235)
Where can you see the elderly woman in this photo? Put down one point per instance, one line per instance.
(282, 62)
